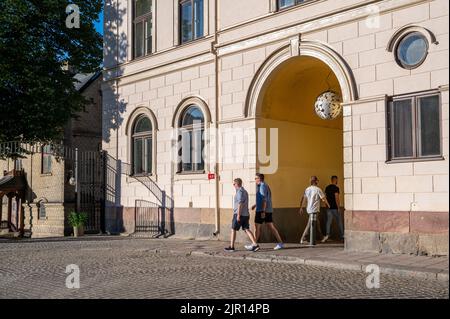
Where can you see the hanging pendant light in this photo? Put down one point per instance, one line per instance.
(328, 105)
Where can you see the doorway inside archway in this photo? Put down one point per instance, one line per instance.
(307, 144)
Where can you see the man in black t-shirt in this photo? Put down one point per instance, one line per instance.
(332, 194)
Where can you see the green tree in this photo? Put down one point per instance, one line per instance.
(37, 94)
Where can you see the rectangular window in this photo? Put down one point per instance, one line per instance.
(191, 20)
(283, 4)
(414, 127)
(46, 165)
(142, 27)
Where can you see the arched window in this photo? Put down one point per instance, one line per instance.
(142, 146)
(192, 131)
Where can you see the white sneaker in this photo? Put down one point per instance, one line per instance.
(249, 247)
(279, 246)
(324, 240)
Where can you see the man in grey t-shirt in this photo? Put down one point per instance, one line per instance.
(241, 217)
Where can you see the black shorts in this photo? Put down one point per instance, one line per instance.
(244, 223)
(267, 218)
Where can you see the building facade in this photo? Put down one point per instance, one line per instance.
(199, 92)
(36, 195)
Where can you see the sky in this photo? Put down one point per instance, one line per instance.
(99, 24)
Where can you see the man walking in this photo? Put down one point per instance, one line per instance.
(241, 217)
(264, 210)
(313, 195)
(332, 193)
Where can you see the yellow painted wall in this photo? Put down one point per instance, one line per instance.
(303, 151)
(308, 145)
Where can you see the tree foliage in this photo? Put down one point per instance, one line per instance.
(37, 94)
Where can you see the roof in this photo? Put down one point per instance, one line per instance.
(10, 183)
(85, 79)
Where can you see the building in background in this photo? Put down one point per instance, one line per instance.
(176, 71)
(35, 189)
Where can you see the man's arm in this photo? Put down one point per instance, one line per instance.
(301, 203)
(324, 198)
(239, 211)
(336, 196)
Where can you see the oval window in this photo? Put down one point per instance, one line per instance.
(412, 50)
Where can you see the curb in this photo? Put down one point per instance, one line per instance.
(397, 271)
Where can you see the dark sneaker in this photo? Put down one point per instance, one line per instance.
(255, 248)
(229, 249)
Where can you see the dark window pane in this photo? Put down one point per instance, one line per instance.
(186, 21)
(198, 12)
(143, 125)
(430, 139)
(46, 159)
(285, 3)
(137, 156)
(42, 212)
(149, 36)
(143, 7)
(193, 115)
(402, 130)
(139, 39)
(148, 155)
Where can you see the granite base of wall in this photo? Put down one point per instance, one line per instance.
(417, 233)
(397, 243)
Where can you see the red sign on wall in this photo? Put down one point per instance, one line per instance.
(211, 176)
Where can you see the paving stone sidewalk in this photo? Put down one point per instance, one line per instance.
(327, 255)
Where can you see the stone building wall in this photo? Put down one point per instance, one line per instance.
(401, 207)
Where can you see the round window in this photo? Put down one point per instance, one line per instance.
(412, 50)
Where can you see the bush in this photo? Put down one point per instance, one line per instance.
(78, 219)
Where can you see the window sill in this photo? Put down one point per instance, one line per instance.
(415, 160)
(183, 176)
(46, 174)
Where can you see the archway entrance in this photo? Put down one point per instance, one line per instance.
(308, 145)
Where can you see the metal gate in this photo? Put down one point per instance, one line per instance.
(147, 218)
(90, 192)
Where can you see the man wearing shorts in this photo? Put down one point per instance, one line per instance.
(241, 217)
(264, 210)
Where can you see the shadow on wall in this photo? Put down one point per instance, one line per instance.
(115, 48)
(115, 45)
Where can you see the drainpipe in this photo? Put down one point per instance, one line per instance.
(216, 120)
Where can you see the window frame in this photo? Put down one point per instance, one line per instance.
(191, 128)
(297, 2)
(145, 20)
(46, 158)
(400, 41)
(142, 136)
(42, 207)
(180, 24)
(416, 136)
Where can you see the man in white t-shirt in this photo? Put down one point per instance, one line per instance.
(314, 195)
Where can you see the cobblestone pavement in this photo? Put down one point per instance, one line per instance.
(131, 268)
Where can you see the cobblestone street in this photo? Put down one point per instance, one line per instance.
(132, 268)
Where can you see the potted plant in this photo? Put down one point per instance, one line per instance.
(77, 221)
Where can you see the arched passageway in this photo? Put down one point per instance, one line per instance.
(307, 144)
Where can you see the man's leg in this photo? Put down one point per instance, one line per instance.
(340, 223)
(257, 232)
(275, 232)
(233, 238)
(305, 232)
(250, 235)
(329, 221)
(319, 229)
